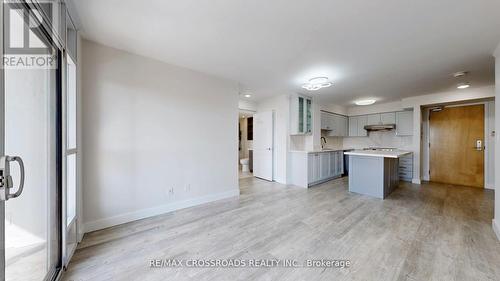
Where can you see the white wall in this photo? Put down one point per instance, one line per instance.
(449, 97)
(247, 105)
(150, 128)
(281, 107)
(496, 221)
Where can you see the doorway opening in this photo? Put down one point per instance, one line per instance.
(245, 144)
(459, 144)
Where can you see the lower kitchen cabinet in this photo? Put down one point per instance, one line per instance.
(311, 168)
(324, 166)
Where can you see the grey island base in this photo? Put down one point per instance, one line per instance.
(374, 173)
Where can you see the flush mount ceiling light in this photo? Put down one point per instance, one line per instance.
(461, 76)
(365, 102)
(247, 96)
(317, 83)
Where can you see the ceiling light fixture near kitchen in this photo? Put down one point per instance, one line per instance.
(247, 96)
(317, 83)
(365, 102)
(461, 75)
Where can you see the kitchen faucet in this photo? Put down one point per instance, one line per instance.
(323, 139)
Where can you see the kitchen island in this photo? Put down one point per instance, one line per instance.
(374, 172)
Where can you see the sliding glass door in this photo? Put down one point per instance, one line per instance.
(30, 148)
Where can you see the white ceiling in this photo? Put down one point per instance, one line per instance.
(386, 49)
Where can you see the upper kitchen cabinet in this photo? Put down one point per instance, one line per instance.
(381, 118)
(404, 123)
(326, 121)
(353, 126)
(373, 119)
(335, 125)
(300, 115)
(357, 126)
(342, 126)
(388, 118)
(362, 122)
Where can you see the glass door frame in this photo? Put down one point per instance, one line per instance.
(48, 33)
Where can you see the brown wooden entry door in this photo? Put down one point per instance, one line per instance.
(454, 157)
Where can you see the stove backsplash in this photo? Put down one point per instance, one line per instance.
(379, 139)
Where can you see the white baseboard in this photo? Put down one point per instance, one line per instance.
(162, 209)
(489, 186)
(416, 181)
(496, 228)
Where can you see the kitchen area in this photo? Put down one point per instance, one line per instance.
(374, 150)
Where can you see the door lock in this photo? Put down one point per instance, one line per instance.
(479, 145)
(6, 182)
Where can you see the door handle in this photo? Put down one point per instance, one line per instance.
(6, 182)
(479, 145)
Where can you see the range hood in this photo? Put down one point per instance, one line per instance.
(384, 127)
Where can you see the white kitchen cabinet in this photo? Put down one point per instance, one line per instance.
(357, 126)
(404, 123)
(312, 168)
(388, 118)
(353, 126)
(313, 165)
(373, 119)
(334, 124)
(362, 122)
(342, 122)
(325, 121)
(339, 128)
(333, 164)
(300, 115)
(324, 165)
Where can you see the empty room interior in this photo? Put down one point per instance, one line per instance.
(249, 140)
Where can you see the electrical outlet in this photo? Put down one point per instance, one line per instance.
(187, 188)
(171, 191)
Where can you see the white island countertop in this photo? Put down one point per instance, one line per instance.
(378, 153)
(316, 151)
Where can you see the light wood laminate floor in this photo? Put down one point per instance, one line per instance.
(426, 232)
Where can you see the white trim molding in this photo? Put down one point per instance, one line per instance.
(489, 186)
(416, 181)
(496, 228)
(159, 210)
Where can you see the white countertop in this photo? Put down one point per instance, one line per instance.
(378, 153)
(317, 151)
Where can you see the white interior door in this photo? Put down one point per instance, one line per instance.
(263, 144)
